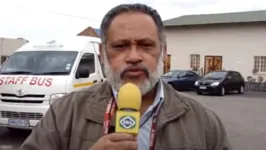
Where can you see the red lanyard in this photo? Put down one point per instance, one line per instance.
(110, 110)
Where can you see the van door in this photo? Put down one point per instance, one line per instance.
(101, 65)
(87, 61)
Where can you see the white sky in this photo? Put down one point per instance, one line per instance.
(35, 19)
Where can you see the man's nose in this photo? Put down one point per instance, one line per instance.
(134, 56)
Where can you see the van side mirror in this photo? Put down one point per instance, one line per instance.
(83, 72)
(229, 77)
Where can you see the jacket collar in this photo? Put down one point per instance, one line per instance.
(173, 105)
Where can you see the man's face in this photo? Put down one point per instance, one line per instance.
(133, 52)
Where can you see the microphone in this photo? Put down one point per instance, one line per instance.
(128, 106)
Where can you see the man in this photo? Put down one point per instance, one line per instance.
(133, 50)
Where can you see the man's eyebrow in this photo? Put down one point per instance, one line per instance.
(151, 40)
(146, 40)
(119, 41)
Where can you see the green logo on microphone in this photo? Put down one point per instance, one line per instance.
(127, 122)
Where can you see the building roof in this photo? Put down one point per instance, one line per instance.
(222, 18)
(90, 31)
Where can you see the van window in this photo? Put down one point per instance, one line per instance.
(3, 59)
(40, 63)
(87, 60)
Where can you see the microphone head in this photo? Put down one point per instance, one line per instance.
(129, 96)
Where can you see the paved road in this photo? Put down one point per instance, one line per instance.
(244, 117)
(11, 140)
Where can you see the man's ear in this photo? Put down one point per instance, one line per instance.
(101, 50)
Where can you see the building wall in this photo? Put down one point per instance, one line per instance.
(8, 46)
(237, 44)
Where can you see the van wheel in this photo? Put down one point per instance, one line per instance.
(222, 91)
(241, 89)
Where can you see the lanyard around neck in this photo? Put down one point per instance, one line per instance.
(111, 109)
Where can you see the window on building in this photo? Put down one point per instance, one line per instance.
(260, 63)
(195, 61)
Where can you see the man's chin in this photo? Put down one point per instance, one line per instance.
(136, 82)
(134, 79)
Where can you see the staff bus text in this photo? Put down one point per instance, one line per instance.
(34, 81)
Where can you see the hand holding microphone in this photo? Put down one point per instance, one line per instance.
(127, 121)
(116, 141)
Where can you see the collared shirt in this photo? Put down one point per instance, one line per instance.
(144, 131)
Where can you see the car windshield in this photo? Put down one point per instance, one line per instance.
(40, 63)
(216, 75)
(171, 74)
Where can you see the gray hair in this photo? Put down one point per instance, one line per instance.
(108, 18)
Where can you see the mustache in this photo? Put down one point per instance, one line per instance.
(135, 68)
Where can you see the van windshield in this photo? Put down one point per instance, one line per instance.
(40, 63)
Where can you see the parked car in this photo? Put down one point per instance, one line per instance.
(181, 79)
(221, 82)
